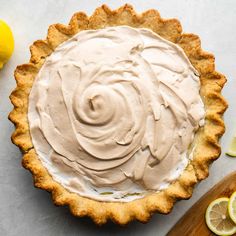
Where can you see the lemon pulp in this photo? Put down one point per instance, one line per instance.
(232, 207)
(218, 219)
(232, 149)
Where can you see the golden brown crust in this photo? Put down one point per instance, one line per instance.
(206, 141)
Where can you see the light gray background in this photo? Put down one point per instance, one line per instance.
(25, 210)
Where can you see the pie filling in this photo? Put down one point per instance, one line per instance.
(113, 113)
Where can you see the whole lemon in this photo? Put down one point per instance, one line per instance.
(6, 43)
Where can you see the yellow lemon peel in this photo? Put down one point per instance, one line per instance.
(6, 43)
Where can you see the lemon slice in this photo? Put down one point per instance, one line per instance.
(218, 219)
(232, 149)
(6, 43)
(232, 207)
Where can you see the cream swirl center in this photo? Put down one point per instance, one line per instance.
(113, 113)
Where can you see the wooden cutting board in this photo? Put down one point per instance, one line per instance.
(193, 222)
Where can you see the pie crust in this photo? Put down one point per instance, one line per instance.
(206, 140)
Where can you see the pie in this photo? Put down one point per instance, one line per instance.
(119, 114)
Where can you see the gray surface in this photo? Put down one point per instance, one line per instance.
(25, 210)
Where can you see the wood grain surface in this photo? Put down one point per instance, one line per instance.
(193, 222)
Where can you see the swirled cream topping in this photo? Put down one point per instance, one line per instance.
(113, 113)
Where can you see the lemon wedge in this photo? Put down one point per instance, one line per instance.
(218, 219)
(232, 149)
(232, 207)
(6, 43)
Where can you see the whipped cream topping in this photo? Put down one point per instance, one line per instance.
(113, 113)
